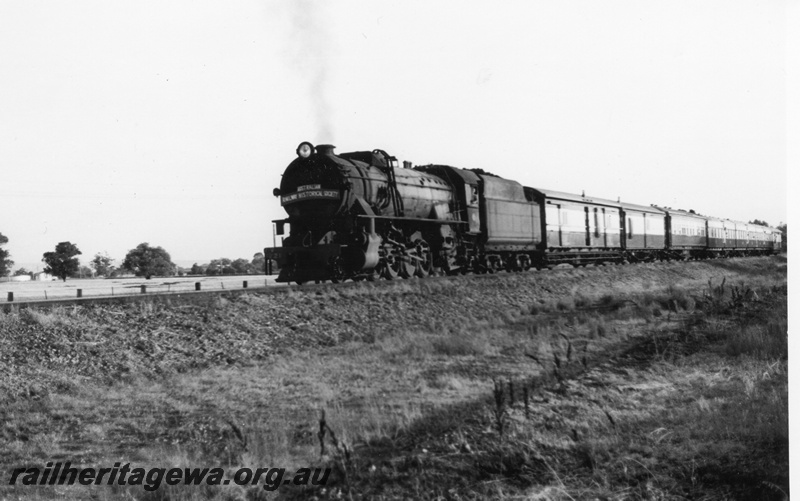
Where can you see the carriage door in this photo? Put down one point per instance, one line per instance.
(553, 224)
(588, 225)
(595, 227)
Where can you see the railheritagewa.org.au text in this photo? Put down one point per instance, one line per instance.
(152, 478)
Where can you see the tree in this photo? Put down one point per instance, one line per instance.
(23, 271)
(784, 238)
(62, 263)
(146, 261)
(259, 265)
(103, 265)
(83, 272)
(758, 222)
(242, 266)
(5, 262)
(198, 269)
(221, 266)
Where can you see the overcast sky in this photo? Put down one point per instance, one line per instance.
(170, 122)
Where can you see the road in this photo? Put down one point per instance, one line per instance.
(37, 291)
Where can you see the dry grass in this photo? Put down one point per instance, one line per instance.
(642, 393)
(767, 342)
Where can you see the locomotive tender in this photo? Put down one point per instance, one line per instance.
(358, 215)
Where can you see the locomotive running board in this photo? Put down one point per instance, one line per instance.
(422, 220)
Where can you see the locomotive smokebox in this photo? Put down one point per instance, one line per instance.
(325, 149)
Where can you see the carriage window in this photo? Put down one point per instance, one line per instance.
(596, 224)
(630, 227)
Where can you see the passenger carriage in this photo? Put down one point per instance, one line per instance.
(643, 232)
(686, 236)
(579, 229)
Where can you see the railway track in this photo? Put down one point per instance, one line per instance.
(271, 287)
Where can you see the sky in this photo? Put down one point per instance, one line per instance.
(171, 122)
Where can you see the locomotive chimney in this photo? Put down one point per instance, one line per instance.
(325, 149)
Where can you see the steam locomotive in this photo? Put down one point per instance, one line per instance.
(359, 215)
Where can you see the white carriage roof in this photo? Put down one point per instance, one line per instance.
(560, 195)
(681, 212)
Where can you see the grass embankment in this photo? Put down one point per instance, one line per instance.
(642, 382)
(691, 404)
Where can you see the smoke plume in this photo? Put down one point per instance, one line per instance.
(311, 54)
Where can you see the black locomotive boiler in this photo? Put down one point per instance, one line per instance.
(358, 215)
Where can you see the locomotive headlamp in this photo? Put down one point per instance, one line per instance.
(305, 149)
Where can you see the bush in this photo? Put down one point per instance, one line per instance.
(770, 341)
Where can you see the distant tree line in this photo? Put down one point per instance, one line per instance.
(5, 257)
(143, 261)
(225, 266)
